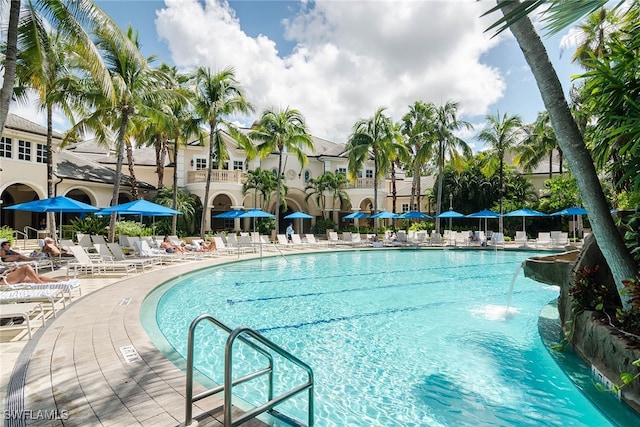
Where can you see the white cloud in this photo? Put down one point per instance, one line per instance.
(350, 57)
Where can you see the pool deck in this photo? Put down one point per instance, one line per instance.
(95, 365)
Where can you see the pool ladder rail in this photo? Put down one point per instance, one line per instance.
(263, 346)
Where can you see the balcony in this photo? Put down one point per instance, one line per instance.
(362, 183)
(217, 175)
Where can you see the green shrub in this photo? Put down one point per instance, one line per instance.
(91, 224)
(132, 228)
(6, 233)
(322, 225)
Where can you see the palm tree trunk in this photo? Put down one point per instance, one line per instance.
(161, 151)
(278, 189)
(51, 216)
(376, 221)
(440, 184)
(574, 149)
(132, 172)
(394, 193)
(207, 185)
(10, 62)
(500, 222)
(116, 185)
(174, 205)
(551, 165)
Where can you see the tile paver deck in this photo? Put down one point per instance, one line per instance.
(74, 369)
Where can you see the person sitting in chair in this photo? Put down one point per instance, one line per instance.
(9, 255)
(52, 250)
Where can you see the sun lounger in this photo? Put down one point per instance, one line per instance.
(29, 312)
(66, 286)
(11, 294)
(543, 240)
(85, 263)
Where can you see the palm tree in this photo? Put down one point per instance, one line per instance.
(501, 135)
(216, 96)
(327, 182)
(445, 123)
(570, 139)
(416, 127)
(10, 59)
(260, 181)
(75, 20)
(593, 34)
(371, 138)
(539, 142)
(184, 203)
(45, 65)
(282, 131)
(335, 184)
(138, 87)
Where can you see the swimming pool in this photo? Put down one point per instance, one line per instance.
(399, 337)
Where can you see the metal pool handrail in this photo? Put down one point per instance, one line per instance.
(229, 382)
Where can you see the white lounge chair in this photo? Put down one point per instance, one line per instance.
(497, 239)
(521, 238)
(28, 311)
(543, 240)
(85, 263)
(144, 262)
(28, 294)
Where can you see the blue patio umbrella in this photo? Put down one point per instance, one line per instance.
(524, 213)
(256, 213)
(385, 215)
(356, 215)
(486, 214)
(234, 213)
(298, 215)
(57, 204)
(450, 214)
(54, 204)
(140, 207)
(414, 215)
(572, 211)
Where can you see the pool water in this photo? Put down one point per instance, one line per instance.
(398, 337)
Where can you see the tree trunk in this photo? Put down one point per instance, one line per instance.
(575, 151)
(51, 216)
(161, 152)
(376, 221)
(174, 205)
(116, 185)
(394, 192)
(10, 62)
(278, 189)
(207, 185)
(440, 184)
(132, 172)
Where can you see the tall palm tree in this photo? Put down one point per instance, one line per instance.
(539, 142)
(282, 131)
(316, 188)
(138, 88)
(75, 20)
(371, 139)
(501, 135)
(594, 33)
(445, 124)
(10, 59)
(215, 97)
(417, 128)
(45, 64)
(570, 139)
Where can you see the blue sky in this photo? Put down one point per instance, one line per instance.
(338, 61)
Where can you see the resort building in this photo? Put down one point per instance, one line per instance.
(84, 171)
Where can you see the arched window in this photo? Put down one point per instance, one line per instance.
(307, 176)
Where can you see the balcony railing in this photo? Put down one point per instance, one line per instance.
(217, 175)
(362, 183)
